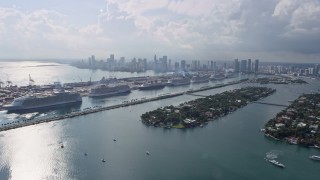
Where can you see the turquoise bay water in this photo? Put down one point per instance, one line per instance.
(231, 147)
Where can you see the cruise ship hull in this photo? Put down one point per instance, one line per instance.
(200, 81)
(10, 108)
(217, 78)
(178, 84)
(159, 86)
(115, 93)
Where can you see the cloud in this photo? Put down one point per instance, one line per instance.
(186, 29)
(43, 33)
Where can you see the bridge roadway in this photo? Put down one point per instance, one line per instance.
(272, 104)
(196, 95)
(19, 124)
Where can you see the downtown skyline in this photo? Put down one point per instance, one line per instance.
(273, 30)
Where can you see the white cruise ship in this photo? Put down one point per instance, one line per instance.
(200, 79)
(178, 81)
(105, 90)
(217, 77)
(43, 101)
(149, 85)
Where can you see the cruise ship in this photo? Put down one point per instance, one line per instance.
(105, 90)
(42, 101)
(217, 77)
(178, 81)
(200, 79)
(152, 85)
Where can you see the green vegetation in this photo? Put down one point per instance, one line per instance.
(198, 112)
(299, 123)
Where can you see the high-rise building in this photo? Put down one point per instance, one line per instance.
(112, 57)
(311, 71)
(183, 65)
(243, 66)
(122, 62)
(249, 65)
(194, 65)
(256, 66)
(145, 64)
(317, 69)
(93, 58)
(236, 65)
(164, 63)
(176, 66)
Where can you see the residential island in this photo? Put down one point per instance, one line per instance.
(278, 80)
(299, 123)
(199, 111)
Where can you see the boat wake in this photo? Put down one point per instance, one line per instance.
(273, 154)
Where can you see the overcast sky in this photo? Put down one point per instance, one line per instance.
(275, 30)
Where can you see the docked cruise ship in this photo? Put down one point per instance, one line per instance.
(152, 85)
(178, 81)
(43, 101)
(217, 77)
(200, 79)
(105, 90)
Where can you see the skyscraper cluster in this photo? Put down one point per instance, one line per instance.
(246, 66)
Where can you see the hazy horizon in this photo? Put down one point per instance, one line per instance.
(68, 60)
(269, 30)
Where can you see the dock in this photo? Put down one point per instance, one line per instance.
(87, 111)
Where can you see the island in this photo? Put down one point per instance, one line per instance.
(299, 123)
(199, 111)
(278, 80)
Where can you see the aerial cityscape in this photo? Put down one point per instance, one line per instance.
(160, 90)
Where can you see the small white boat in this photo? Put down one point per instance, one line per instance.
(147, 152)
(272, 161)
(114, 139)
(314, 157)
(103, 160)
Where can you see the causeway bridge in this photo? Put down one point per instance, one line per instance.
(271, 104)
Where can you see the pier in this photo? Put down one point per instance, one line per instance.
(87, 111)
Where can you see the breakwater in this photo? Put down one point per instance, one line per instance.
(18, 124)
